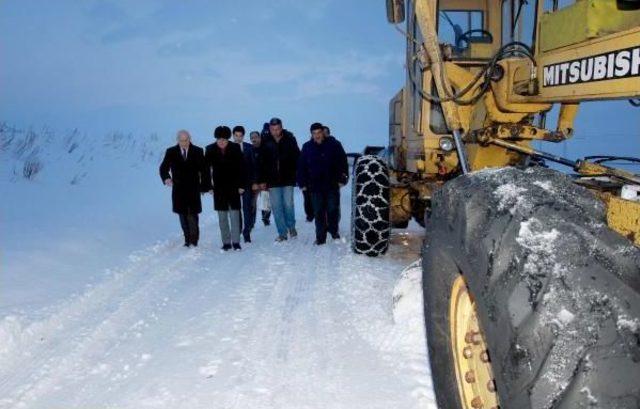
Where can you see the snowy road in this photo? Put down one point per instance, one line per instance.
(274, 326)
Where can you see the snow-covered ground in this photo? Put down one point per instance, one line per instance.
(101, 306)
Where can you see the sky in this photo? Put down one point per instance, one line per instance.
(156, 66)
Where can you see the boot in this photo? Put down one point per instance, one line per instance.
(266, 214)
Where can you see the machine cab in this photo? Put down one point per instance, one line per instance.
(468, 28)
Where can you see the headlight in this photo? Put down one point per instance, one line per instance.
(446, 144)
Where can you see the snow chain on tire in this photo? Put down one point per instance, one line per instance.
(370, 226)
(556, 294)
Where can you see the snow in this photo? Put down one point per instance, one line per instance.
(565, 317)
(590, 398)
(541, 245)
(545, 184)
(101, 306)
(408, 316)
(627, 323)
(511, 198)
(542, 269)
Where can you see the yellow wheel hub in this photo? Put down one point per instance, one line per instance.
(472, 363)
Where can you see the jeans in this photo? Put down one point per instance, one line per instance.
(189, 224)
(249, 200)
(282, 208)
(326, 208)
(229, 221)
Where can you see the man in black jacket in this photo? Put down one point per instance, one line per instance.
(248, 199)
(281, 154)
(183, 169)
(321, 172)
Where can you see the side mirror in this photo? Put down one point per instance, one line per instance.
(395, 11)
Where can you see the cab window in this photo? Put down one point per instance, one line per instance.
(460, 27)
(518, 21)
(553, 5)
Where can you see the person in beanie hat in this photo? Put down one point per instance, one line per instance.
(320, 171)
(227, 176)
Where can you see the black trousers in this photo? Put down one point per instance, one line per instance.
(189, 223)
(308, 205)
(326, 209)
(249, 207)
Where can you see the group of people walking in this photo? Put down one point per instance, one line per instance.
(239, 173)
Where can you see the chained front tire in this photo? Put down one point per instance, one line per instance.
(530, 300)
(370, 225)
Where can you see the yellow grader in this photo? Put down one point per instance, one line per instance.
(531, 276)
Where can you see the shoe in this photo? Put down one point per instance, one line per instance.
(226, 247)
(280, 239)
(186, 245)
(247, 238)
(309, 219)
(266, 222)
(236, 246)
(293, 233)
(319, 242)
(335, 236)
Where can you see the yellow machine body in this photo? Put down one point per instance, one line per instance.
(587, 50)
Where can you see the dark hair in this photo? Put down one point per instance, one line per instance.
(316, 126)
(326, 128)
(265, 130)
(238, 128)
(255, 133)
(222, 132)
(275, 121)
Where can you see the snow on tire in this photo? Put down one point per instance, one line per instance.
(370, 225)
(557, 293)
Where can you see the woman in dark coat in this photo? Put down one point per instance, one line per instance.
(225, 163)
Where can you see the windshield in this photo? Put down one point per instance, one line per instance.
(453, 24)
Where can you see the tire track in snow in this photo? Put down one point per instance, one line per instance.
(61, 358)
(275, 326)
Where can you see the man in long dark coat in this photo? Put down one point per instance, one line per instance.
(183, 169)
(225, 163)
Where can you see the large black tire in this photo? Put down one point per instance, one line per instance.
(556, 291)
(401, 225)
(370, 225)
